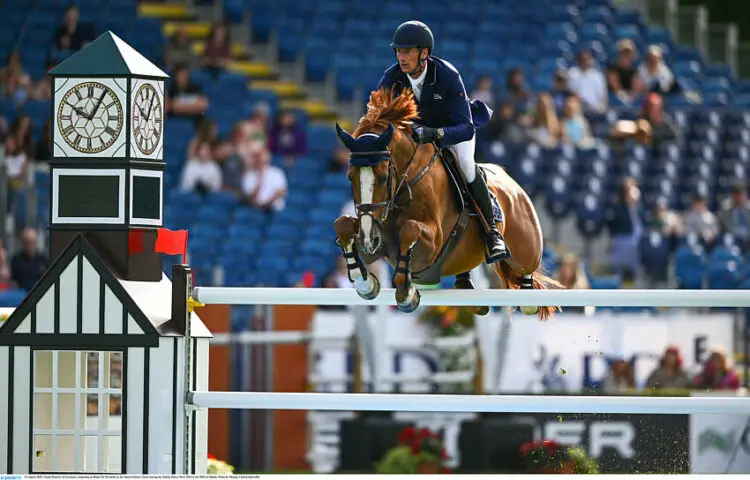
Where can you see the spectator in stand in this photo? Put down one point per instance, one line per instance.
(237, 155)
(483, 91)
(506, 126)
(716, 374)
(4, 268)
(545, 127)
(620, 377)
(12, 74)
(560, 92)
(701, 222)
(201, 173)
(218, 51)
(28, 265)
(260, 118)
(517, 93)
(665, 221)
(655, 75)
(622, 78)
(625, 229)
(185, 99)
(669, 373)
(207, 132)
(72, 34)
(339, 160)
(16, 164)
(22, 131)
(575, 128)
(573, 276)
(287, 139)
(178, 50)
(734, 214)
(654, 128)
(265, 185)
(588, 83)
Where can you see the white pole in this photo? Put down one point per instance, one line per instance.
(507, 298)
(471, 403)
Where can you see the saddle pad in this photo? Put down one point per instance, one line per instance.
(497, 210)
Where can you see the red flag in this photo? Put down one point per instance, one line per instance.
(135, 241)
(308, 279)
(171, 242)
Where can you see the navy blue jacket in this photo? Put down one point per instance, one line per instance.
(443, 102)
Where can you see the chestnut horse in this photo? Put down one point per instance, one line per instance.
(413, 212)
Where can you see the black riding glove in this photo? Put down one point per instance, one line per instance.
(422, 134)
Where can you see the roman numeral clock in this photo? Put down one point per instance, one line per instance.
(107, 147)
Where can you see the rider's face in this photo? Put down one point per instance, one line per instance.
(408, 58)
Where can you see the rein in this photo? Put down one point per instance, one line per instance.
(390, 202)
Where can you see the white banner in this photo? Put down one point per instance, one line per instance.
(525, 355)
(719, 444)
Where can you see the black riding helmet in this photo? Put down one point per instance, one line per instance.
(413, 34)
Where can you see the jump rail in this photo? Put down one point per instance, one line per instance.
(469, 403)
(500, 298)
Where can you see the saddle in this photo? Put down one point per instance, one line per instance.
(460, 191)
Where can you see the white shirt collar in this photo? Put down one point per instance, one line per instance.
(418, 83)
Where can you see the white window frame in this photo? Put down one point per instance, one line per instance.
(67, 172)
(81, 394)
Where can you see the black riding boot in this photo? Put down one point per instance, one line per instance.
(496, 249)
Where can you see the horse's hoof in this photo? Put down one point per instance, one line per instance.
(482, 311)
(411, 303)
(530, 310)
(368, 289)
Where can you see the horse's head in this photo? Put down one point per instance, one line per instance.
(372, 177)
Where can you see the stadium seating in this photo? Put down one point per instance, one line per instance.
(348, 42)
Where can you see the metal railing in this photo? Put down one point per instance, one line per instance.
(691, 26)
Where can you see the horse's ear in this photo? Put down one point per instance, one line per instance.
(386, 137)
(344, 136)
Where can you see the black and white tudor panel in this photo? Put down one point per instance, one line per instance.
(92, 373)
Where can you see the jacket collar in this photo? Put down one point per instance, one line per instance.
(429, 79)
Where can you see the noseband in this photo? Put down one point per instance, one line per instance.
(404, 185)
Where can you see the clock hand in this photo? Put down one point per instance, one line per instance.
(98, 104)
(150, 106)
(78, 110)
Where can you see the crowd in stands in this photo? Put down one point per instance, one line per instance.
(715, 374)
(252, 160)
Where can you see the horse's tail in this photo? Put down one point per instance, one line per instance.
(541, 279)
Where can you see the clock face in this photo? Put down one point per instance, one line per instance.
(90, 117)
(147, 121)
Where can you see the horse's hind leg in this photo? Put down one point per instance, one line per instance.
(365, 283)
(463, 282)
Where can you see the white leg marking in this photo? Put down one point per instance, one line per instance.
(367, 190)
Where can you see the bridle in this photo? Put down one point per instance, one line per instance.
(404, 185)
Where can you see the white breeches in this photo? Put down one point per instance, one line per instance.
(464, 152)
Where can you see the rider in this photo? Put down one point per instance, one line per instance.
(447, 117)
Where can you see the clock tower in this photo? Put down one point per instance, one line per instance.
(107, 165)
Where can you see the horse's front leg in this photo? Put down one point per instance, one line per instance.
(411, 231)
(365, 283)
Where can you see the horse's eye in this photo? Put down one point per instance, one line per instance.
(381, 180)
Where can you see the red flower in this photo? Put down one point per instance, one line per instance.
(416, 447)
(446, 470)
(406, 435)
(211, 457)
(526, 447)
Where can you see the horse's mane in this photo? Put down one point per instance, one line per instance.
(383, 108)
